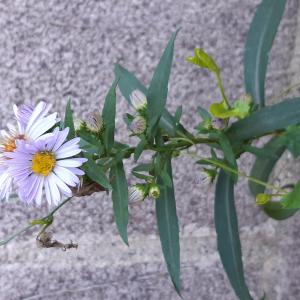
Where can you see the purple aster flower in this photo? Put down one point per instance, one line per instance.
(46, 166)
(32, 123)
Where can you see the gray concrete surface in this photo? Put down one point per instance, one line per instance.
(55, 49)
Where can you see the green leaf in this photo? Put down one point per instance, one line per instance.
(263, 166)
(139, 148)
(69, 122)
(203, 60)
(128, 83)
(227, 148)
(291, 138)
(168, 228)
(109, 115)
(120, 198)
(96, 173)
(240, 110)
(261, 170)
(158, 88)
(266, 120)
(178, 114)
(229, 245)
(259, 42)
(292, 199)
(277, 212)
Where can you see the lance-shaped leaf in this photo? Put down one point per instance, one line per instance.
(69, 122)
(158, 89)
(109, 116)
(228, 239)
(120, 198)
(262, 169)
(167, 223)
(259, 42)
(266, 120)
(96, 173)
(128, 83)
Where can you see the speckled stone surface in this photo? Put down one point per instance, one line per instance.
(55, 49)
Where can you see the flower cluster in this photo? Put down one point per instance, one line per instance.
(36, 159)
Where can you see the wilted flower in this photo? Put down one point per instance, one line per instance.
(137, 192)
(46, 164)
(138, 100)
(32, 123)
(154, 190)
(138, 125)
(95, 122)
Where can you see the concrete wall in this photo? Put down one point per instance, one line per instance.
(54, 49)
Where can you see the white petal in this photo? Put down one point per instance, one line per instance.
(55, 194)
(67, 153)
(72, 162)
(61, 185)
(66, 176)
(62, 135)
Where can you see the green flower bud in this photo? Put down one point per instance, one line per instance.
(138, 100)
(154, 190)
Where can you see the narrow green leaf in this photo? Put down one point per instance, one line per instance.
(158, 89)
(259, 42)
(96, 173)
(109, 116)
(263, 166)
(139, 148)
(120, 198)
(229, 245)
(277, 212)
(168, 228)
(128, 83)
(69, 122)
(292, 199)
(266, 120)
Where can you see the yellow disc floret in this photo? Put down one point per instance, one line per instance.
(43, 163)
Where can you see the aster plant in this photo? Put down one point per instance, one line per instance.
(46, 159)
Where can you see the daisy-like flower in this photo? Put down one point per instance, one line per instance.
(31, 124)
(138, 100)
(46, 166)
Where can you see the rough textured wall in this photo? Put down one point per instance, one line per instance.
(55, 49)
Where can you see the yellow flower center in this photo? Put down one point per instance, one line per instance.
(43, 163)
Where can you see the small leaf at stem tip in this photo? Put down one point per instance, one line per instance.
(69, 122)
(203, 60)
(262, 199)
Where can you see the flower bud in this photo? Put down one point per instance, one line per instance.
(154, 190)
(137, 192)
(79, 124)
(138, 100)
(219, 124)
(95, 122)
(138, 125)
(208, 176)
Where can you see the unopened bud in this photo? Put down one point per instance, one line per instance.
(262, 199)
(137, 192)
(154, 190)
(138, 100)
(138, 125)
(95, 122)
(79, 124)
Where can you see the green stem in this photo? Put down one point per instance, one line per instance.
(6, 241)
(46, 222)
(221, 87)
(239, 173)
